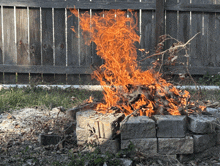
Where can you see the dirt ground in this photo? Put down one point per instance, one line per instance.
(19, 143)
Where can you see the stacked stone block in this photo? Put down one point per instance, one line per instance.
(140, 131)
(99, 129)
(171, 134)
(203, 128)
(159, 134)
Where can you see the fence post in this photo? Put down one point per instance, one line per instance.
(159, 20)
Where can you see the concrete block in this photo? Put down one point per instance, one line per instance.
(171, 146)
(169, 126)
(138, 127)
(81, 136)
(102, 125)
(105, 145)
(44, 139)
(86, 118)
(216, 113)
(146, 145)
(203, 142)
(201, 124)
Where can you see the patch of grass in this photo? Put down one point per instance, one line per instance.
(207, 79)
(15, 98)
(212, 95)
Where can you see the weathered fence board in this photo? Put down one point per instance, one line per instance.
(10, 53)
(35, 43)
(22, 37)
(60, 43)
(47, 37)
(195, 46)
(72, 40)
(217, 36)
(45, 69)
(59, 32)
(1, 46)
(36, 38)
(211, 39)
(183, 32)
(96, 60)
(147, 37)
(81, 4)
(171, 24)
(23, 56)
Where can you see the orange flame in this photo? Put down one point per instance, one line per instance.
(115, 35)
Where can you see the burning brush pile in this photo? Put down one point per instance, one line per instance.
(126, 87)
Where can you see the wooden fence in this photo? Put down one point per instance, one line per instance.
(37, 44)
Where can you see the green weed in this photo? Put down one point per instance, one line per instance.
(15, 98)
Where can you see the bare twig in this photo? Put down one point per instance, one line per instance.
(172, 48)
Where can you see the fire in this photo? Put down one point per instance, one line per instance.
(121, 77)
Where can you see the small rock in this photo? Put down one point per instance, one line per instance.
(37, 148)
(58, 152)
(10, 117)
(126, 162)
(30, 147)
(30, 162)
(58, 109)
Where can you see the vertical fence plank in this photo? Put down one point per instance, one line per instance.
(171, 25)
(195, 45)
(22, 43)
(60, 43)
(210, 22)
(96, 60)
(160, 18)
(183, 31)
(85, 47)
(85, 51)
(9, 36)
(47, 43)
(148, 34)
(22, 36)
(217, 37)
(47, 37)
(10, 56)
(35, 43)
(59, 31)
(138, 31)
(35, 46)
(1, 45)
(206, 45)
(73, 47)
